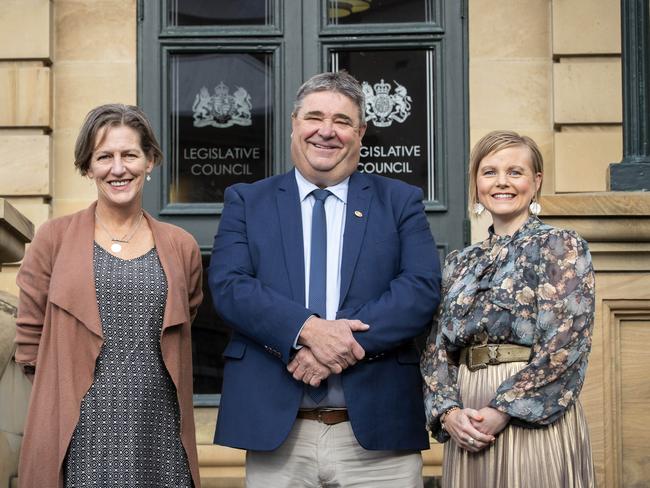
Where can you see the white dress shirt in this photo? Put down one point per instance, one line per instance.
(335, 206)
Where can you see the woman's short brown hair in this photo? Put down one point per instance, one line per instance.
(493, 142)
(114, 115)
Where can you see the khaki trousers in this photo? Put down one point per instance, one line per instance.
(329, 456)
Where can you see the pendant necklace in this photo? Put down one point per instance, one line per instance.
(116, 243)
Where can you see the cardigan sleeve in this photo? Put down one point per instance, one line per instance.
(540, 393)
(33, 281)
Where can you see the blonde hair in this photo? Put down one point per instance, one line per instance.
(493, 142)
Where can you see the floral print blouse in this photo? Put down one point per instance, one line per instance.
(534, 288)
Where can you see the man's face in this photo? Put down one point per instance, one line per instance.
(326, 138)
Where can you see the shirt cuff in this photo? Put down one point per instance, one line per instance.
(297, 346)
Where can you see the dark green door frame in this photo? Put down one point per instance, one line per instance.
(302, 44)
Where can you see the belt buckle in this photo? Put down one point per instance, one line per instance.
(471, 365)
(493, 354)
(321, 413)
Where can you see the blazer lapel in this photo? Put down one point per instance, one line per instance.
(72, 286)
(357, 212)
(290, 217)
(176, 307)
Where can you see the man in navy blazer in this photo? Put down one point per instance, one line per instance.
(381, 287)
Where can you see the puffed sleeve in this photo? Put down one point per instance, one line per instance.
(439, 374)
(540, 393)
(33, 281)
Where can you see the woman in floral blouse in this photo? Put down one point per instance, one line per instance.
(504, 367)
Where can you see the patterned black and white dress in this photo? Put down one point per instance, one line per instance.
(128, 430)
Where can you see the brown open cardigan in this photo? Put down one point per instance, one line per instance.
(59, 333)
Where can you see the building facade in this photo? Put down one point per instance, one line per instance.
(456, 69)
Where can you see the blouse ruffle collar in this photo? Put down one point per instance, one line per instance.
(479, 268)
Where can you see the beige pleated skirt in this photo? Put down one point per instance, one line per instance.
(557, 456)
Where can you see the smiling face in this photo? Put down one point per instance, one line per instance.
(119, 167)
(506, 184)
(326, 138)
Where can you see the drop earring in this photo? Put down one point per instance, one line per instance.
(148, 177)
(535, 208)
(478, 208)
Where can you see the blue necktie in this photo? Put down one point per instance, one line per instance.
(318, 272)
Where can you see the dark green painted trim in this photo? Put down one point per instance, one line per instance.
(274, 29)
(436, 25)
(633, 172)
(464, 102)
(629, 176)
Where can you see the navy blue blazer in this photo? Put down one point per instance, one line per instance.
(390, 279)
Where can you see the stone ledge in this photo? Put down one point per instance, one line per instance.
(616, 225)
(605, 229)
(15, 232)
(603, 204)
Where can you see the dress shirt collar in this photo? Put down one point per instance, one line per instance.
(305, 187)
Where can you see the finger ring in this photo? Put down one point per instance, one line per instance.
(470, 441)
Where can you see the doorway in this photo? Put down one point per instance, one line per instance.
(218, 80)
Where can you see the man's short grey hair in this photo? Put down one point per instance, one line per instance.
(340, 82)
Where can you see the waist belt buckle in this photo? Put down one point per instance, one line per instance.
(492, 353)
(472, 363)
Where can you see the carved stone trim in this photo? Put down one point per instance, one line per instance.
(614, 313)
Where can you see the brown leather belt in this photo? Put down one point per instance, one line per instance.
(329, 416)
(479, 357)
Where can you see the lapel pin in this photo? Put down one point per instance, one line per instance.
(358, 213)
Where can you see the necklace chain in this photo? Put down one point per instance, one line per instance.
(116, 246)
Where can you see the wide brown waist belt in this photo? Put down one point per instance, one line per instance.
(479, 357)
(329, 416)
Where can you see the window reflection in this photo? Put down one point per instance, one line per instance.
(221, 123)
(399, 89)
(348, 12)
(194, 13)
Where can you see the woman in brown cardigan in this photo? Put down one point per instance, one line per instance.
(107, 296)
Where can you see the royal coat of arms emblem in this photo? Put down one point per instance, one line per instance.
(222, 109)
(382, 107)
